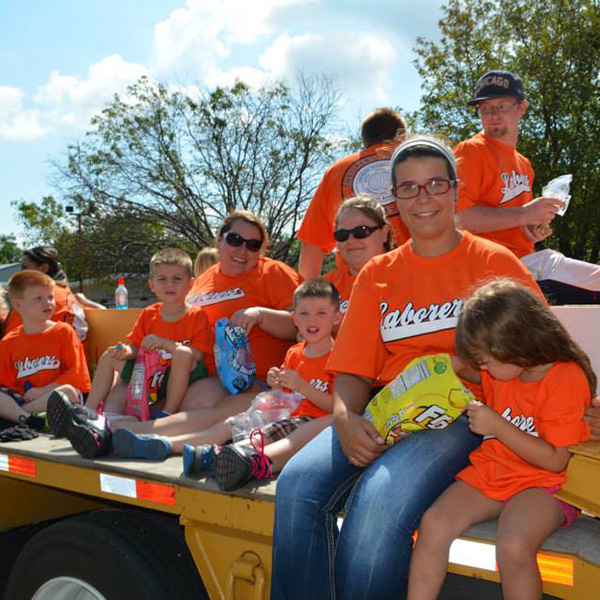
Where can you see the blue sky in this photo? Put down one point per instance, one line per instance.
(61, 62)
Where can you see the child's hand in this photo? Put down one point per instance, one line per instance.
(273, 378)
(592, 417)
(152, 342)
(121, 351)
(291, 379)
(483, 420)
(247, 318)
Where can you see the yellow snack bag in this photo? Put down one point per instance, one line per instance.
(426, 395)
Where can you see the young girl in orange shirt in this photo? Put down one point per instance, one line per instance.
(536, 382)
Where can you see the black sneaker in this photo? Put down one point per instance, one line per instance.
(90, 437)
(197, 459)
(83, 414)
(236, 465)
(34, 422)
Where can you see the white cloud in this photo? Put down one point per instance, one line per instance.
(17, 123)
(72, 100)
(362, 63)
(194, 39)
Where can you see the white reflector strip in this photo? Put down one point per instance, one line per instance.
(473, 554)
(3, 462)
(120, 486)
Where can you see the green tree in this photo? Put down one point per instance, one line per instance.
(9, 249)
(555, 48)
(184, 162)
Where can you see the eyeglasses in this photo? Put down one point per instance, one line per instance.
(501, 109)
(434, 187)
(360, 232)
(236, 240)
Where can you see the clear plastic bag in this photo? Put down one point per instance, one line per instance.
(559, 188)
(266, 408)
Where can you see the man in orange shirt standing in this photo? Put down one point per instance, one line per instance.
(365, 172)
(495, 194)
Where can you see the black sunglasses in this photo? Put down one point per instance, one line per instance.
(360, 232)
(236, 240)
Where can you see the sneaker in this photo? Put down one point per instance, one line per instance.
(198, 458)
(90, 437)
(128, 444)
(35, 422)
(236, 465)
(57, 428)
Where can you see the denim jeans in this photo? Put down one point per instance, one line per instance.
(369, 558)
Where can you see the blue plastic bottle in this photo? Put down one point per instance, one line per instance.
(121, 295)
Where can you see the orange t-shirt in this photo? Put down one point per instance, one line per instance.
(193, 329)
(365, 172)
(312, 370)
(404, 305)
(270, 284)
(496, 175)
(62, 313)
(551, 409)
(343, 281)
(55, 356)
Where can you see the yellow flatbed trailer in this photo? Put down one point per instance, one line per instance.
(112, 529)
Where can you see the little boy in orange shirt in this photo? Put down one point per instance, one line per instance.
(178, 331)
(40, 358)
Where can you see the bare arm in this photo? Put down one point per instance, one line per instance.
(311, 260)
(480, 219)
(592, 417)
(360, 441)
(293, 380)
(536, 451)
(278, 323)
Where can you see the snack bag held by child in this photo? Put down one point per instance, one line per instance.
(146, 376)
(233, 357)
(426, 395)
(266, 408)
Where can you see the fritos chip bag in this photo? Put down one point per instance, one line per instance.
(426, 395)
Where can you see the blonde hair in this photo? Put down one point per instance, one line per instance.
(371, 209)
(247, 217)
(507, 321)
(3, 311)
(207, 257)
(171, 256)
(23, 280)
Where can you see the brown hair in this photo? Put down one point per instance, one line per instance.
(506, 320)
(207, 257)
(371, 209)
(247, 217)
(381, 125)
(317, 288)
(171, 256)
(47, 255)
(24, 280)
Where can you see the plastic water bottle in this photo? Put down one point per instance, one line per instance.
(121, 295)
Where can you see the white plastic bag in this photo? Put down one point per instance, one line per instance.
(559, 188)
(266, 408)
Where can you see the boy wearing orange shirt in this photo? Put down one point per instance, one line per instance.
(41, 357)
(316, 312)
(181, 335)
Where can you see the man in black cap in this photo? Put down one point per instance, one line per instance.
(495, 193)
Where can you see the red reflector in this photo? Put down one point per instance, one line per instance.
(21, 466)
(159, 493)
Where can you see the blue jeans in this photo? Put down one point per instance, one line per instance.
(384, 502)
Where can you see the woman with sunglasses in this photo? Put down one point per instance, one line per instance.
(405, 304)
(246, 282)
(361, 232)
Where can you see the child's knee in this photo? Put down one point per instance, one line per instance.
(437, 523)
(513, 549)
(70, 392)
(183, 355)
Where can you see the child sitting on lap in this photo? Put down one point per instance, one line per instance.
(536, 383)
(40, 359)
(177, 331)
(316, 313)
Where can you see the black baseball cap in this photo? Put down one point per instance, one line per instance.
(495, 84)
